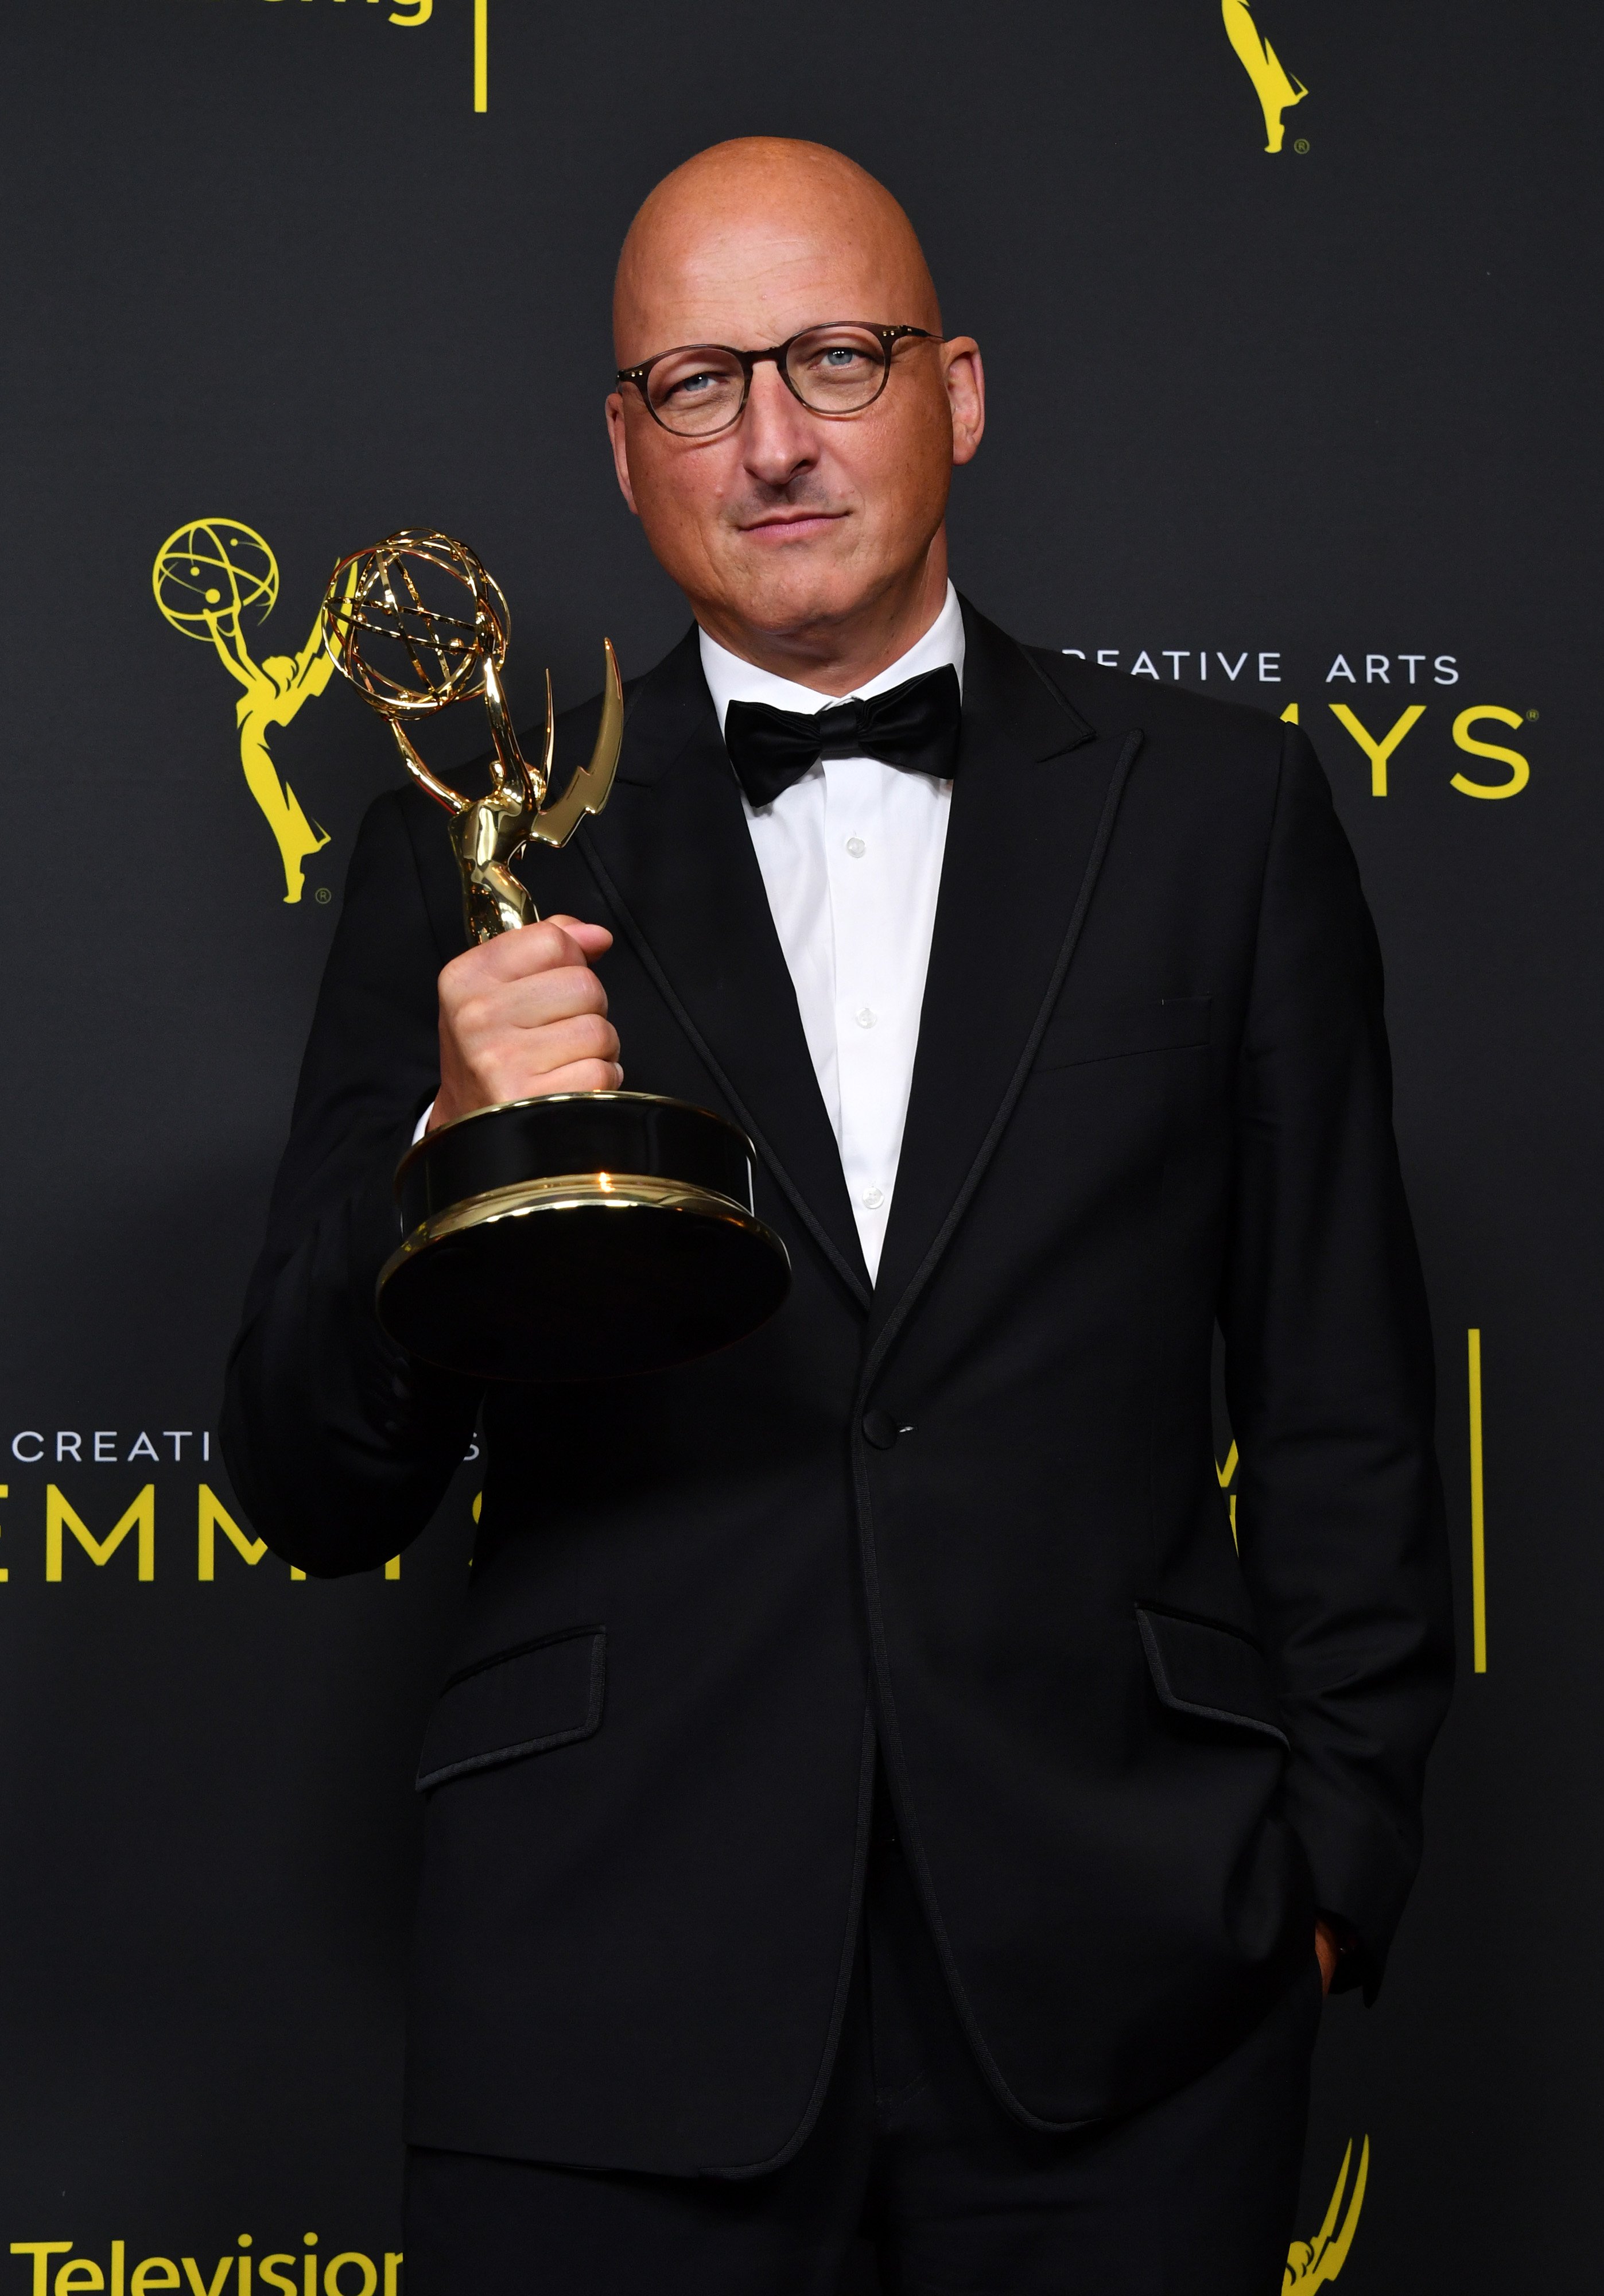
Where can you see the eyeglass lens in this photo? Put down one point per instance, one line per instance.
(833, 370)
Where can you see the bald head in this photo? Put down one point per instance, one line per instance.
(746, 229)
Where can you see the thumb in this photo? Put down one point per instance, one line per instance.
(594, 940)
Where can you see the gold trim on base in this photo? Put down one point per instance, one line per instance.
(571, 1192)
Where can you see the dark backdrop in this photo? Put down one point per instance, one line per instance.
(267, 263)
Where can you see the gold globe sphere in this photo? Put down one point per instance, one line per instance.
(412, 620)
(211, 573)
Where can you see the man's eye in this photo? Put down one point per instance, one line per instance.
(688, 386)
(833, 363)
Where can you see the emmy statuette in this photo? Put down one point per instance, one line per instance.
(580, 1235)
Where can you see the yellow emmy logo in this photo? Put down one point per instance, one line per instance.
(1276, 90)
(209, 577)
(1311, 2263)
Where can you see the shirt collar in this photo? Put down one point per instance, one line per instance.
(730, 679)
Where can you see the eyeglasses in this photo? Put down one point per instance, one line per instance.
(702, 388)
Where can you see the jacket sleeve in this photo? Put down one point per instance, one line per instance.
(339, 1445)
(1329, 1380)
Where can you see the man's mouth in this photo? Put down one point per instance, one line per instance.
(792, 525)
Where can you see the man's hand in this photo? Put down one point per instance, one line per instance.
(523, 1015)
(1328, 1952)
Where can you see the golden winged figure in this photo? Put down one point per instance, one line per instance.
(411, 655)
(210, 574)
(1276, 89)
(1311, 2263)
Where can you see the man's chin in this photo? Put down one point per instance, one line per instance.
(798, 586)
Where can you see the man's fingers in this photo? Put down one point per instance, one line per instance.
(586, 1036)
(581, 1076)
(489, 1012)
(515, 1062)
(543, 947)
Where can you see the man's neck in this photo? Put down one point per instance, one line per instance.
(839, 657)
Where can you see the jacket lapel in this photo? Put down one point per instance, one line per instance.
(675, 863)
(1032, 807)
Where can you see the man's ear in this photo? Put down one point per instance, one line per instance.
(620, 447)
(966, 395)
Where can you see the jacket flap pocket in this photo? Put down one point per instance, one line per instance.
(1199, 1667)
(1164, 1025)
(521, 1702)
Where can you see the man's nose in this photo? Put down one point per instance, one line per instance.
(779, 436)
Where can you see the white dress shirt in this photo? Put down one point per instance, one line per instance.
(851, 857)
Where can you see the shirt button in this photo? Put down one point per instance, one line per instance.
(866, 1018)
(856, 847)
(873, 1198)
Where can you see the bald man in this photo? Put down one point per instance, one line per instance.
(877, 1806)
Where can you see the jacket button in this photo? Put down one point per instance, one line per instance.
(880, 1429)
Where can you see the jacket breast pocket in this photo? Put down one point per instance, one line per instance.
(1211, 1671)
(1162, 1024)
(521, 1702)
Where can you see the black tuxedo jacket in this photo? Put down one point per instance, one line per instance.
(970, 1516)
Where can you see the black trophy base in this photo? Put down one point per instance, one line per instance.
(579, 1237)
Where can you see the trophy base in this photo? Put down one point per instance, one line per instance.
(581, 1236)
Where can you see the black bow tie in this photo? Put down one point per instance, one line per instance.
(914, 728)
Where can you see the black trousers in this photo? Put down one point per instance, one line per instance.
(912, 2162)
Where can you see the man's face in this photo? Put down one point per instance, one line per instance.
(789, 522)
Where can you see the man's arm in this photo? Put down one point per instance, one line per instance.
(339, 1445)
(1329, 1381)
